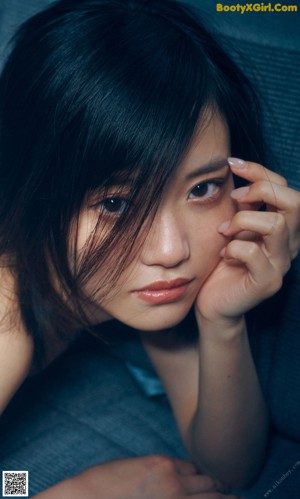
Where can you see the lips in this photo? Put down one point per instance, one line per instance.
(165, 284)
(160, 292)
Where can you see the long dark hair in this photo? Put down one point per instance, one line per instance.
(94, 91)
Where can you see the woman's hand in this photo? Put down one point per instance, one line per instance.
(261, 247)
(150, 477)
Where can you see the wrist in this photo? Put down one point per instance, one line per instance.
(221, 328)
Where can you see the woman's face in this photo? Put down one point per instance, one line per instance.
(183, 245)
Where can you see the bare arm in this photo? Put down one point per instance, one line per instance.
(149, 477)
(231, 420)
(16, 351)
(216, 398)
(16, 346)
(214, 389)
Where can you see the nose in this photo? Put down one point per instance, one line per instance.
(167, 243)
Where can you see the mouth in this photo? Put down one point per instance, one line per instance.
(160, 292)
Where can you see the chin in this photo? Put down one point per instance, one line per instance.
(157, 320)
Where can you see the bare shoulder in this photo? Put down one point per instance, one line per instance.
(16, 346)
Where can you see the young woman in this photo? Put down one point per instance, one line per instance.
(120, 199)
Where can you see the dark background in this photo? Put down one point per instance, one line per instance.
(265, 44)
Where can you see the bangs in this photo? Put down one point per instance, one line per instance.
(96, 93)
(138, 112)
(139, 120)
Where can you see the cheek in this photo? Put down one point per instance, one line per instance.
(86, 226)
(221, 213)
(207, 241)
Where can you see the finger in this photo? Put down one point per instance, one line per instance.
(262, 191)
(198, 483)
(271, 228)
(283, 199)
(262, 274)
(202, 483)
(185, 467)
(254, 171)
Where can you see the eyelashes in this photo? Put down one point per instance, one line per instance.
(207, 191)
(115, 205)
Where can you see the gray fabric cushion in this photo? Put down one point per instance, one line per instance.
(72, 397)
(267, 47)
(83, 410)
(12, 14)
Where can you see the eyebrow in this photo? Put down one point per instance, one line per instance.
(213, 166)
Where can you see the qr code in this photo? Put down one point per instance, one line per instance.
(15, 483)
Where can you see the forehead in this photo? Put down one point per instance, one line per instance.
(210, 144)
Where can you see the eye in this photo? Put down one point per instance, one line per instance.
(113, 205)
(207, 190)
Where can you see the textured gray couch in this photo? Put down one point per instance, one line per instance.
(49, 436)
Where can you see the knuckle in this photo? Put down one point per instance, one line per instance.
(169, 478)
(253, 250)
(261, 187)
(279, 223)
(207, 482)
(238, 217)
(281, 180)
(162, 462)
(297, 205)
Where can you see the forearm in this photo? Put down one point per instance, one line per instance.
(88, 484)
(227, 435)
(67, 489)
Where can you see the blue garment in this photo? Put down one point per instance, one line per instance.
(85, 409)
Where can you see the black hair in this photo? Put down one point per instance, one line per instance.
(94, 91)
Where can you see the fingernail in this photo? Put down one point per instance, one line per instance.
(240, 192)
(236, 162)
(224, 226)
